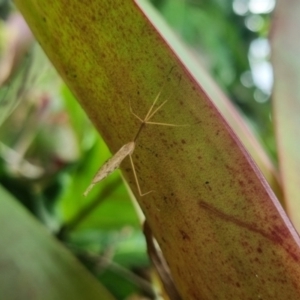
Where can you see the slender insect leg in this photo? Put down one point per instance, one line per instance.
(136, 178)
(155, 111)
(150, 110)
(150, 113)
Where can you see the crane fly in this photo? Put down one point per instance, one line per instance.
(127, 150)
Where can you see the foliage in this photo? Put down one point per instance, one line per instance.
(50, 153)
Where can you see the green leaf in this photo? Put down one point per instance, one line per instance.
(36, 266)
(219, 225)
(286, 99)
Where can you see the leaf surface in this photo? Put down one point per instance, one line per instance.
(286, 99)
(219, 225)
(34, 265)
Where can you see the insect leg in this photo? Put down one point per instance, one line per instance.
(136, 179)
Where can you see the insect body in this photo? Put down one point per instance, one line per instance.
(111, 165)
(127, 150)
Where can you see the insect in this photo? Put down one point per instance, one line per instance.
(114, 162)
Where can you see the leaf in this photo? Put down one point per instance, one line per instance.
(34, 265)
(285, 57)
(219, 225)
